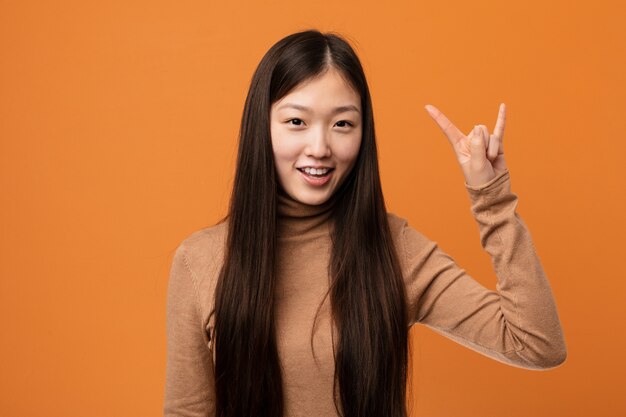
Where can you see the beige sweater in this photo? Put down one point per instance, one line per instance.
(518, 324)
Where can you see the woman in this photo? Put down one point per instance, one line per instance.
(299, 302)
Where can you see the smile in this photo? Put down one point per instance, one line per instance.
(315, 179)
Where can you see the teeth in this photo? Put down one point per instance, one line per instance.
(314, 171)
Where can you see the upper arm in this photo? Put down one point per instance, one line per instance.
(189, 384)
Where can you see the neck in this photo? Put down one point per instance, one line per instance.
(296, 218)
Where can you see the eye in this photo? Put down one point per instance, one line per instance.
(298, 124)
(345, 121)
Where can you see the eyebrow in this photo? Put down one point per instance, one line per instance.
(340, 109)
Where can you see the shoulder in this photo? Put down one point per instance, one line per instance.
(408, 239)
(396, 223)
(203, 251)
(200, 239)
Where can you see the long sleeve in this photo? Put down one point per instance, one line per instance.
(517, 324)
(189, 384)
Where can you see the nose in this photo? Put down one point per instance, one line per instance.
(318, 146)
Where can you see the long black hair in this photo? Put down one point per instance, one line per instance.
(367, 292)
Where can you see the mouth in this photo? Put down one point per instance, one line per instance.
(328, 171)
(317, 179)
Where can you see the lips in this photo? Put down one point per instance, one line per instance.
(327, 172)
(317, 180)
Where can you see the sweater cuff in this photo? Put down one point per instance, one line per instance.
(491, 186)
(493, 193)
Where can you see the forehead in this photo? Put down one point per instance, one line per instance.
(321, 94)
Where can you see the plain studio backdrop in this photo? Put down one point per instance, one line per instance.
(118, 132)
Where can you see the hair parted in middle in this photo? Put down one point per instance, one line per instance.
(367, 293)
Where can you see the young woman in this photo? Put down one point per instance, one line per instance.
(299, 302)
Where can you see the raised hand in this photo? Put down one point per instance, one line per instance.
(480, 154)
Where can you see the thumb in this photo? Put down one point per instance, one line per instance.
(477, 147)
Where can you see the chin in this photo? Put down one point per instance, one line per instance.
(312, 198)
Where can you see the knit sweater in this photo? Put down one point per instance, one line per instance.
(517, 324)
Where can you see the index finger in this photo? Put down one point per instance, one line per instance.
(448, 128)
(498, 131)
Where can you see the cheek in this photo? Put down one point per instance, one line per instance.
(348, 151)
(286, 151)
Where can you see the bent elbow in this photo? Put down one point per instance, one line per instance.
(555, 360)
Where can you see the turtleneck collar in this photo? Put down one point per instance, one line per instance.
(296, 218)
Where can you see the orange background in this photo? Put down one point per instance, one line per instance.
(118, 128)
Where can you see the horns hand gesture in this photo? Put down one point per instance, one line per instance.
(480, 154)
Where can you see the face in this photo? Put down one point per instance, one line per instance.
(316, 134)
